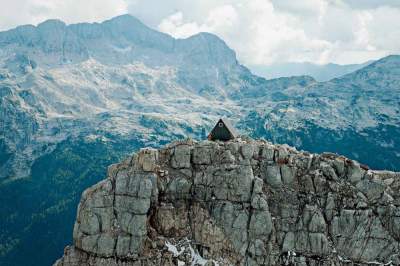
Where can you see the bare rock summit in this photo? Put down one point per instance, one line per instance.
(242, 202)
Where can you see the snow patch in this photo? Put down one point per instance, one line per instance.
(173, 249)
(196, 258)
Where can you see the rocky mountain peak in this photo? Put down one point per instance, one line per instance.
(51, 24)
(126, 20)
(208, 48)
(242, 202)
(120, 40)
(387, 68)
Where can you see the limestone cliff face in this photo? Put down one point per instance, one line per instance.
(242, 202)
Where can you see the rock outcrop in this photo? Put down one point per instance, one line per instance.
(242, 202)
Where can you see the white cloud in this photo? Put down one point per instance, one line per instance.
(175, 25)
(255, 29)
(268, 31)
(220, 19)
(19, 12)
(368, 4)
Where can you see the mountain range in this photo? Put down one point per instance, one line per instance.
(320, 72)
(76, 98)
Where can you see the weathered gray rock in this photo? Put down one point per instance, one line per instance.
(272, 175)
(237, 203)
(202, 154)
(181, 157)
(147, 159)
(267, 152)
(288, 173)
(355, 173)
(247, 151)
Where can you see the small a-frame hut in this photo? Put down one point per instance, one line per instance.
(223, 131)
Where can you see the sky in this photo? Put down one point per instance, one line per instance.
(262, 32)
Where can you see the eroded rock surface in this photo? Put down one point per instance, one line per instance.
(238, 203)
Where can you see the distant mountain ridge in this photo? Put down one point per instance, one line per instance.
(322, 72)
(88, 94)
(357, 114)
(120, 40)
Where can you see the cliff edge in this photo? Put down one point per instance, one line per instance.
(242, 202)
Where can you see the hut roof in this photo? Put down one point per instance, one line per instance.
(229, 126)
(223, 130)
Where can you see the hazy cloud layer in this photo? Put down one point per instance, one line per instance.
(18, 12)
(261, 31)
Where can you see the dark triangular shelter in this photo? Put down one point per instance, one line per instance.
(223, 130)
